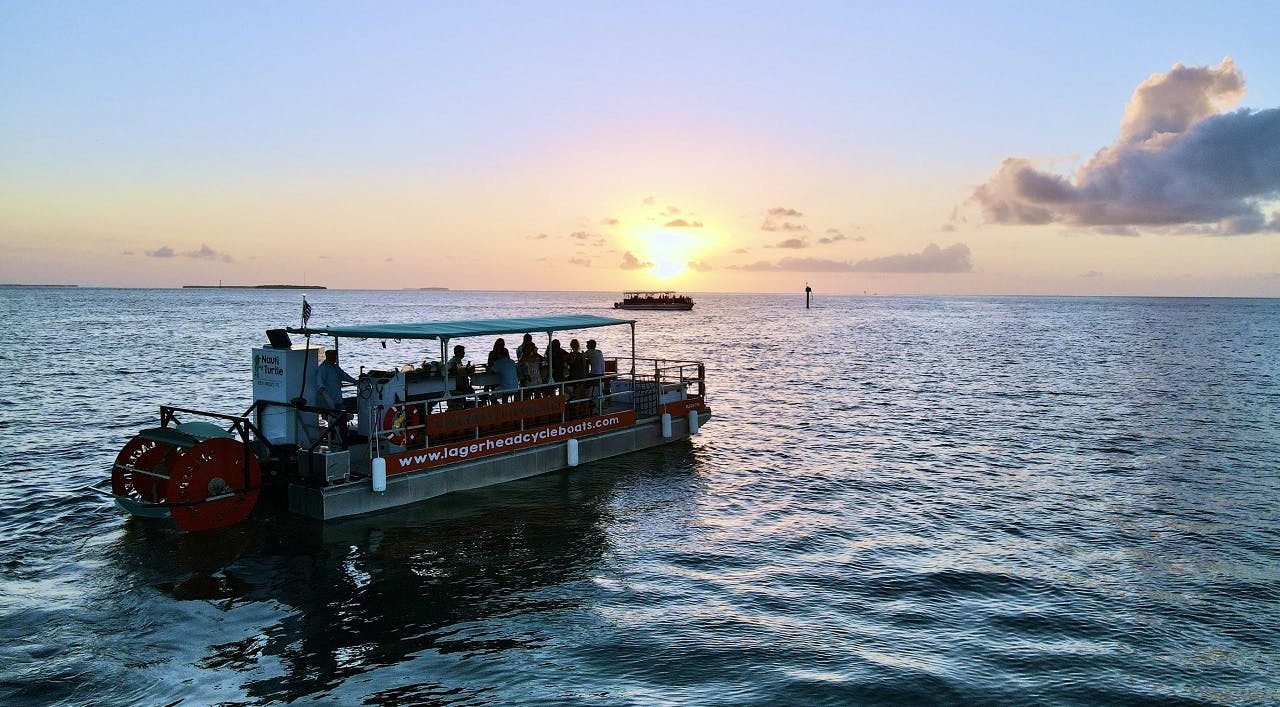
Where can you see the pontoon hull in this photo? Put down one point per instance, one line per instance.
(357, 498)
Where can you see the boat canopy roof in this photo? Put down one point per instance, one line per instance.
(452, 330)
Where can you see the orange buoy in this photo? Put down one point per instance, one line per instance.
(404, 422)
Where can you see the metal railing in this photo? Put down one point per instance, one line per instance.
(583, 397)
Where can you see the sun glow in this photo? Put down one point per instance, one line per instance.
(669, 251)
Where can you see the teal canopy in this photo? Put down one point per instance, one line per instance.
(453, 330)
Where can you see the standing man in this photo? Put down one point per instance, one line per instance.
(595, 359)
(329, 378)
(595, 368)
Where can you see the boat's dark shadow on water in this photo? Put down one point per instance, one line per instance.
(375, 591)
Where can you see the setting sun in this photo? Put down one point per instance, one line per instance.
(670, 251)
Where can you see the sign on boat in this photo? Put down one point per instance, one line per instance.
(405, 433)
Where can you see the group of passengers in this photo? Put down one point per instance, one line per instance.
(530, 368)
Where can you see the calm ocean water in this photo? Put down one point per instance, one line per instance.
(898, 501)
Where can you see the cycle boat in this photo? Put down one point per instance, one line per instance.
(405, 433)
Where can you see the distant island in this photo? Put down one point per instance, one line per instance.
(254, 287)
(428, 289)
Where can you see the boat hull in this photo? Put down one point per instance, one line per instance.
(357, 498)
(655, 307)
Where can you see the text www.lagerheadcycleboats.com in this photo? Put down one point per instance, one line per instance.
(457, 451)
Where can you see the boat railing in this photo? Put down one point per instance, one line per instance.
(477, 413)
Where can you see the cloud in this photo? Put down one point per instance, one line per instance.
(609, 221)
(204, 253)
(584, 262)
(741, 250)
(790, 243)
(786, 226)
(932, 259)
(772, 220)
(1179, 165)
(797, 265)
(538, 237)
(207, 253)
(631, 262)
(126, 252)
(681, 223)
(672, 211)
(1091, 274)
(1129, 231)
(582, 235)
(650, 201)
(699, 266)
(833, 236)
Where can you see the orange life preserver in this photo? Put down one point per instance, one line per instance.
(404, 422)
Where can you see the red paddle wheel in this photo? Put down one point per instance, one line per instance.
(204, 484)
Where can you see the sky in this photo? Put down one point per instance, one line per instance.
(1055, 148)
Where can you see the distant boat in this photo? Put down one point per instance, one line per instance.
(655, 300)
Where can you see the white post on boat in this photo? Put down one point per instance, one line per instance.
(573, 452)
(666, 424)
(693, 422)
(378, 466)
(444, 363)
(633, 353)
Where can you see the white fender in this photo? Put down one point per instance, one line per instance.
(573, 452)
(379, 478)
(666, 424)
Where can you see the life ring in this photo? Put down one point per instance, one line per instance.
(404, 423)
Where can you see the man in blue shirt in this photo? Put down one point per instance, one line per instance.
(329, 378)
(506, 370)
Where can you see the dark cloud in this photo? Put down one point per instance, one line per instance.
(126, 252)
(1179, 165)
(582, 235)
(932, 259)
(833, 236)
(584, 262)
(782, 212)
(538, 237)
(681, 223)
(631, 262)
(609, 222)
(163, 251)
(790, 243)
(699, 266)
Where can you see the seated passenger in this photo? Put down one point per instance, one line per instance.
(530, 367)
(506, 370)
(525, 347)
(458, 370)
(499, 347)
